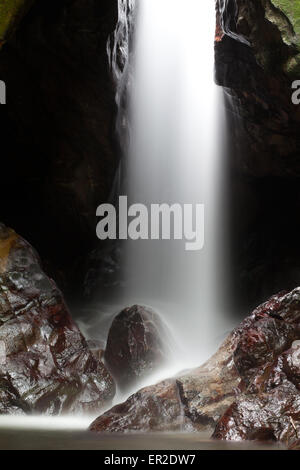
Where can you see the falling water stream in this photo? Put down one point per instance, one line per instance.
(175, 157)
(171, 128)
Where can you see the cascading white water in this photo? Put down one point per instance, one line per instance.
(174, 157)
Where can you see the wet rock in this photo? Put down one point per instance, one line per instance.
(11, 12)
(270, 409)
(96, 348)
(45, 363)
(269, 404)
(266, 28)
(257, 59)
(104, 275)
(248, 391)
(193, 401)
(295, 446)
(137, 345)
(156, 408)
(261, 345)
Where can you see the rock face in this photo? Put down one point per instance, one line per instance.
(137, 345)
(256, 61)
(270, 28)
(45, 363)
(11, 12)
(191, 402)
(269, 365)
(59, 129)
(270, 409)
(156, 408)
(251, 65)
(249, 390)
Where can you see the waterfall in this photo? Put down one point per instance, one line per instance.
(163, 58)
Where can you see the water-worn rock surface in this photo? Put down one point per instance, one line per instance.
(137, 345)
(269, 363)
(191, 402)
(248, 390)
(257, 60)
(45, 363)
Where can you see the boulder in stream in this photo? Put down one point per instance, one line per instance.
(45, 363)
(193, 401)
(138, 345)
(249, 390)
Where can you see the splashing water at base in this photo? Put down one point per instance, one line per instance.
(175, 158)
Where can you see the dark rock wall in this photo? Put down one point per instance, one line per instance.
(57, 129)
(59, 152)
(253, 60)
(45, 363)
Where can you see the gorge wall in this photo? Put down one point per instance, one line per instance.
(257, 58)
(60, 151)
(58, 129)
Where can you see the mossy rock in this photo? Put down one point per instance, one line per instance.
(286, 15)
(11, 12)
(291, 8)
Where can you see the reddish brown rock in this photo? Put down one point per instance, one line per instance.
(269, 364)
(96, 348)
(272, 329)
(271, 408)
(295, 446)
(137, 345)
(45, 363)
(155, 408)
(248, 390)
(193, 401)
